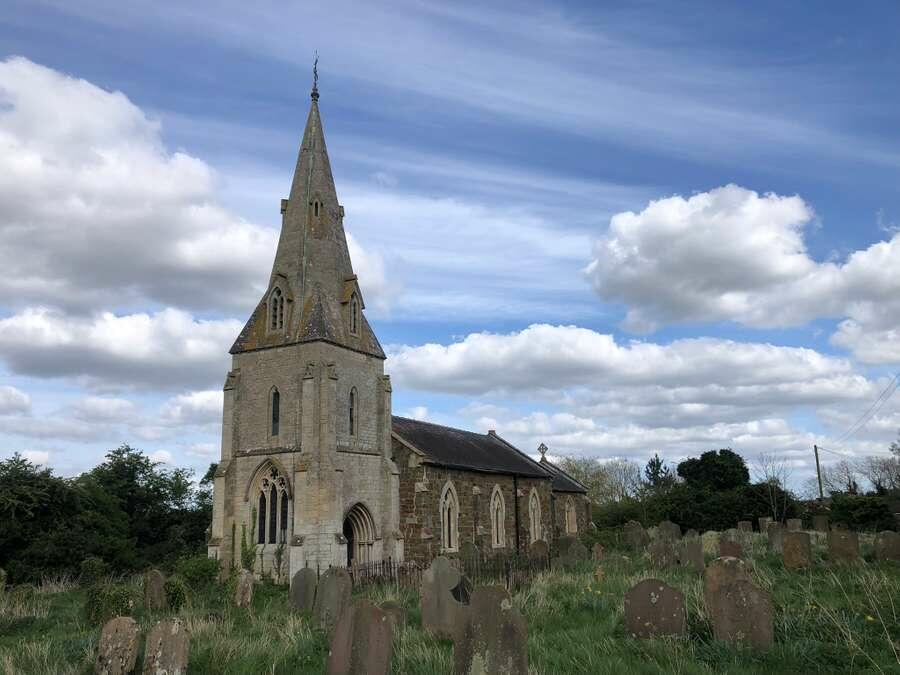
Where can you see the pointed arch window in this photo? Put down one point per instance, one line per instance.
(316, 208)
(534, 517)
(276, 309)
(449, 509)
(351, 412)
(276, 411)
(273, 507)
(571, 517)
(354, 314)
(498, 518)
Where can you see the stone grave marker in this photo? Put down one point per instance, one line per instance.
(820, 523)
(843, 546)
(887, 546)
(775, 534)
(794, 524)
(118, 648)
(444, 597)
(691, 554)
(797, 550)
(692, 533)
(362, 641)
(564, 543)
(597, 552)
(741, 614)
(730, 548)
(167, 649)
(396, 614)
(764, 523)
(154, 591)
(653, 608)
(332, 597)
(243, 593)
(745, 526)
(599, 574)
(662, 554)
(538, 550)
(710, 540)
(635, 535)
(303, 590)
(669, 531)
(492, 636)
(720, 572)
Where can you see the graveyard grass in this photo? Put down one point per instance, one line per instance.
(829, 619)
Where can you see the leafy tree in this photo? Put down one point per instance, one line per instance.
(722, 470)
(657, 475)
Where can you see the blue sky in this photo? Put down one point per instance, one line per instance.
(747, 294)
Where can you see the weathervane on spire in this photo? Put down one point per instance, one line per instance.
(315, 89)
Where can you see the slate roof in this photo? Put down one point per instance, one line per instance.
(562, 482)
(460, 449)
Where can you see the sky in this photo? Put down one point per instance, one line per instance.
(618, 229)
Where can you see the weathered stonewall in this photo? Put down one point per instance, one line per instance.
(720, 572)
(887, 546)
(797, 550)
(154, 591)
(396, 614)
(843, 546)
(303, 590)
(362, 641)
(764, 524)
(669, 531)
(794, 524)
(662, 554)
(470, 552)
(597, 552)
(775, 534)
(741, 613)
(653, 608)
(820, 523)
(745, 526)
(691, 554)
(538, 550)
(243, 593)
(635, 535)
(332, 597)
(492, 636)
(444, 597)
(730, 548)
(118, 646)
(167, 649)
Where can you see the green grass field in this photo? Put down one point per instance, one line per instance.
(828, 620)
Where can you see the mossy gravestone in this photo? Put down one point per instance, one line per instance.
(155, 591)
(332, 597)
(668, 531)
(796, 550)
(741, 614)
(492, 636)
(653, 608)
(745, 526)
(361, 643)
(887, 546)
(443, 598)
(794, 524)
(243, 592)
(691, 554)
(720, 572)
(775, 534)
(118, 648)
(167, 649)
(730, 549)
(764, 524)
(303, 590)
(538, 550)
(662, 554)
(635, 535)
(843, 546)
(563, 544)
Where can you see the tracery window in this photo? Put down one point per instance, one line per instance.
(498, 518)
(449, 518)
(273, 508)
(276, 310)
(534, 517)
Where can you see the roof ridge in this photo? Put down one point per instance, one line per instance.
(511, 446)
(440, 426)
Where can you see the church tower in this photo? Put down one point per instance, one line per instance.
(306, 476)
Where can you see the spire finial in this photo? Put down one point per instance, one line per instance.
(315, 89)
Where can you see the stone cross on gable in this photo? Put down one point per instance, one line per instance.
(543, 450)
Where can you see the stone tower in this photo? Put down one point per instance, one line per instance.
(306, 475)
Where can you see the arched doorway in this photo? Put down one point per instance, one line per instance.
(359, 531)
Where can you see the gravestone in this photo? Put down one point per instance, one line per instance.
(669, 531)
(764, 523)
(692, 533)
(243, 593)
(797, 550)
(720, 572)
(730, 548)
(710, 540)
(599, 574)
(362, 641)
(332, 597)
(653, 608)
(564, 543)
(492, 636)
(741, 614)
(154, 591)
(731, 533)
(691, 554)
(887, 546)
(167, 649)
(538, 550)
(745, 526)
(396, 614)
(597, 552)
(775, 534)
(443, 598)
(843, 546)
(635, 535)
(662, 554)
(820, 523)
(794, 524)
(303, 590)
(118, 648)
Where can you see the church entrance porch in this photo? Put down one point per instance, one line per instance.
(359, 531)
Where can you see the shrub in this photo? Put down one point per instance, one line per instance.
(105, 601)
(93, 569)
(176, 593)
(198, 571)
(862, 512)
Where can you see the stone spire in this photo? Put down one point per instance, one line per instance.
(312, 267)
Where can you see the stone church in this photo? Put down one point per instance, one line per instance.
(315, 470)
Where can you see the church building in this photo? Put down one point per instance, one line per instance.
(315, 470)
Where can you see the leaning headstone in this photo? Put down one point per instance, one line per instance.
(730, 548)
(887, 546)
(662, 554)
(669, 531)
(843, 546)
(154, 591)
(332, 597)
(492, 636)
(764, 523)
(118, 646)
(741, 613)
(691, 554)
(653, 608)
(820, 523)
(794, 524)
(538, 550)
(775, 534)
(797, 550)
(303, 590)
(723, 571)
(444, 597)
(167, 649)
(597, 552)
(745, 526)
(361, 643)
(635, 535)
(396, 614)
(243, 593)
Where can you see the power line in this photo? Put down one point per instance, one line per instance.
(872, 410)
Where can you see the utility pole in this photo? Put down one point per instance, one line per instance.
(818, 472)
